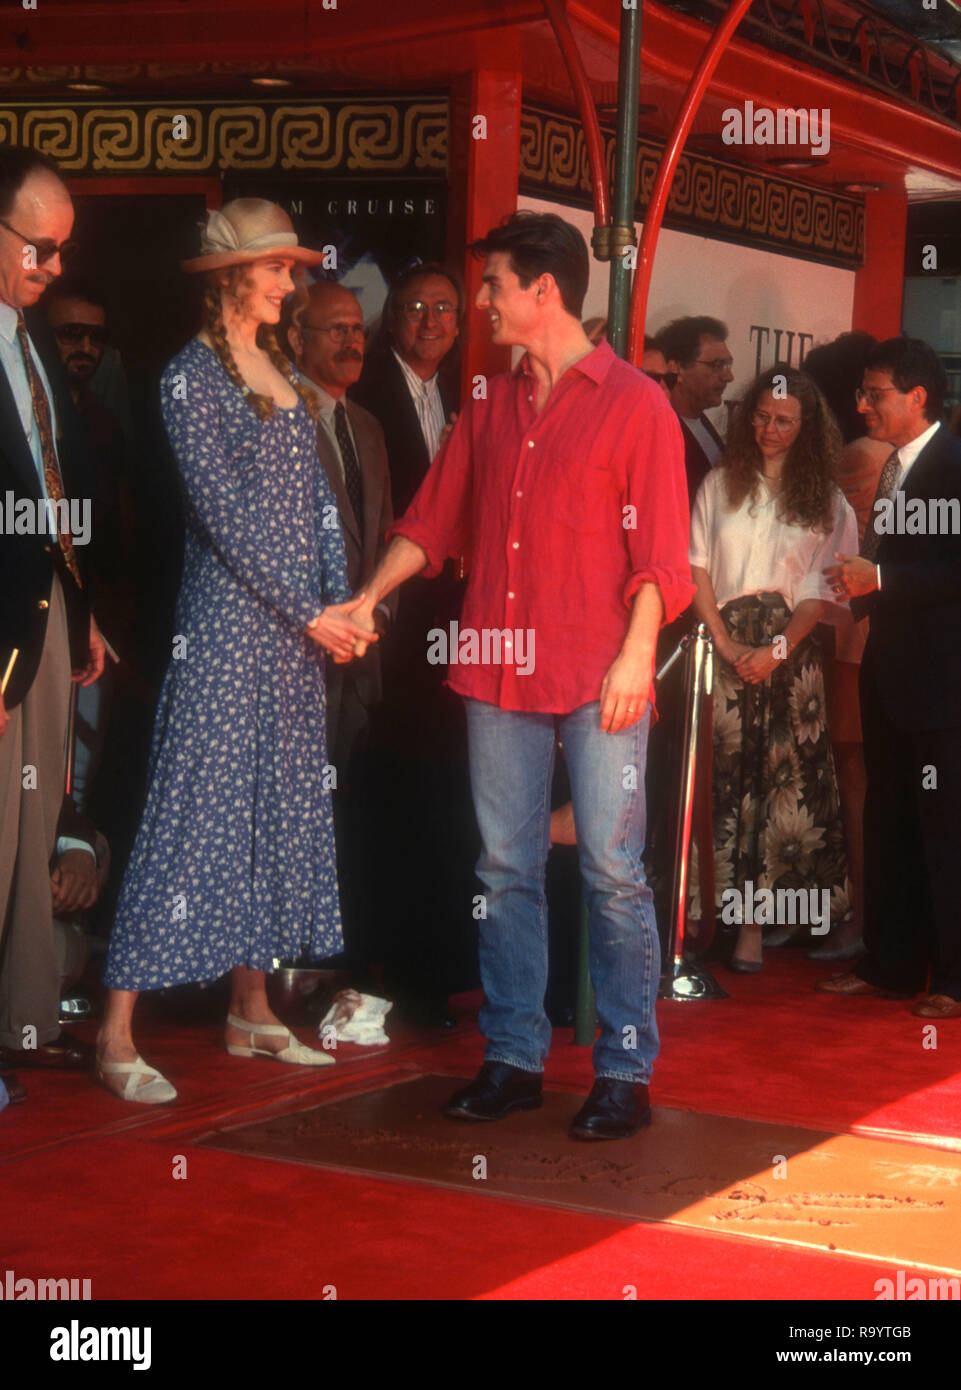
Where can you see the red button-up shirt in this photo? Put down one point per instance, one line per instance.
(565, 514)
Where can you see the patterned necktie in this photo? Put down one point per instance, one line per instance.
(51, 468)
(872, 540)
(355, 487)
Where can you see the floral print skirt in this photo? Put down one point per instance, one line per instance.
(776, 813)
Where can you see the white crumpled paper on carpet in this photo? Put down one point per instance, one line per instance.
(356, 1018)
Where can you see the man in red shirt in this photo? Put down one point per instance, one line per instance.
(566, 487)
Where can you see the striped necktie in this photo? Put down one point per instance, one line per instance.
(51, 468)
(352, 478)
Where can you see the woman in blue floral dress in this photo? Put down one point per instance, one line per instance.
(233, 865)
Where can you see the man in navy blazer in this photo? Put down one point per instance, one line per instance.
(908, 580)
(46, 629)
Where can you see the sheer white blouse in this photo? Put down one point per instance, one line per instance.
(751, 551)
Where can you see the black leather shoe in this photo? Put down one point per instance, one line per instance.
(613, 1110)
(496, 1090)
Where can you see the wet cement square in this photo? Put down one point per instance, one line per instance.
(875, 1198)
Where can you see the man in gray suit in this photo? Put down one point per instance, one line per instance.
(326, 337)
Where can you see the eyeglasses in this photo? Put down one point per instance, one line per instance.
(872, 394)
(76, 332)
(339, 332)
(782, 423)
(668, 378)
(718, 364)
(45, 249)
(416, 309)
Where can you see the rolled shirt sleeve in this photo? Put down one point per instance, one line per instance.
(657, 487)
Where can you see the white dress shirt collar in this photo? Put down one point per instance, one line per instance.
(907, 453)
(8, 321)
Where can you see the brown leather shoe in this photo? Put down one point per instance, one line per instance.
(849, 983)
(64, 1053)
(938, 1006)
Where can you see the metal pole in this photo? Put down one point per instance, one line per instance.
(571, 54)
(625, 174)
(662, 184)
(681, 979)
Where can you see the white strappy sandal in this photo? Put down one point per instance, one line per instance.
(294, 1052)
(157, 1091)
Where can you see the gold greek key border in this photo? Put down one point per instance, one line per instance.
(398, 136)
(408, 136)
(709, 196)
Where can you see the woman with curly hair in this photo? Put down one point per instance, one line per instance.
(233, 865)
(765, 524)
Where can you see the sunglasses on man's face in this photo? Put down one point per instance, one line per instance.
(44, 248)
(669, 379)
(76, 332)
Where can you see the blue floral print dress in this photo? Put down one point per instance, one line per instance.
(234, 859)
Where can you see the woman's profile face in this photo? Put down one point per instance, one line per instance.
(776, 422)
(263, 289)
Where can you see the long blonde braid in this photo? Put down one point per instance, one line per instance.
(262, 406)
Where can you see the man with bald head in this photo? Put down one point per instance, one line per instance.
(327, 339)
(46, 628)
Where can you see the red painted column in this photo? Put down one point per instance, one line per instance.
(482, 182)
(879, 284)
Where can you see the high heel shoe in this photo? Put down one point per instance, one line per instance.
(157, 1091)
(295, 1052)
(737, 963)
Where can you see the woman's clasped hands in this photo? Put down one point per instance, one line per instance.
(341, 630)
(752, 664)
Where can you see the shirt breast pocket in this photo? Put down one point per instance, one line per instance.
(584, 499)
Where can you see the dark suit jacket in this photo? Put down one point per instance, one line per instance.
(913, 651)
(697, 465)
(28, 562)
(378, 515)
(383, 391)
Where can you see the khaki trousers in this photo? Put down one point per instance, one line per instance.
(30, 970)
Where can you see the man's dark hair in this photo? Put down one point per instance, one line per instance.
(402, 283)
(71, 287)
(541, 243)
(680, 340)
(15, 166)
(912, 362)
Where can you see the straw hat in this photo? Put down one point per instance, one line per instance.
(248, 229)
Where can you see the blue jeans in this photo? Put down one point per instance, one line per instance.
(511, 764)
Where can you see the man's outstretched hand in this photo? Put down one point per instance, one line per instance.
(364, 617)
(341, 628)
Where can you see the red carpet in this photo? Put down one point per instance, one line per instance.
(88, 1188)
